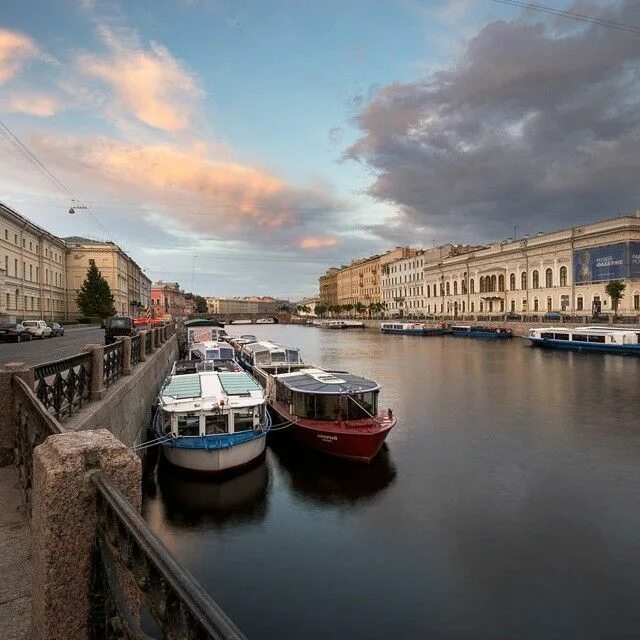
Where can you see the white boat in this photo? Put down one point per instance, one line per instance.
(603, 339)
(411, 328)
(211, 421)
(265, 321)
(268, 356)
(212, 351)
(343, 324)
(241, 322)
(203, 330)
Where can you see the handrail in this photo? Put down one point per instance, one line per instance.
(179, 601)
(46, 369)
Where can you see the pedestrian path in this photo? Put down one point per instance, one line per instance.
(15, 559)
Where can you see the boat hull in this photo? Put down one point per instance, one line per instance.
(414, 332)
(358, 441)
(485, 335)
(574, 345)
(215, 460)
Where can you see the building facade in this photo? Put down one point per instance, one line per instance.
(328, 287)
(167, 299)
(32, 269)
(565, 271)
(248, 304)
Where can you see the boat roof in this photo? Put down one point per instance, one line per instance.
(320, 381)
(181, 367)
(205, 389)
(210, 344)
(588, 330)
(265, 345)
(203, 322)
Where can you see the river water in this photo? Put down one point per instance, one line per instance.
(505, 505)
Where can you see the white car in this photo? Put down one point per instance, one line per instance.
(38, 328)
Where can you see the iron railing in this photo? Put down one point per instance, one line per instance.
(33, 425)
(135, 350)
(130, 559)
(65, 385)
(113, 360)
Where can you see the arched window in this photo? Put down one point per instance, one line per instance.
(513, 305)
(512, 282)
(428, 291)
(523, 280)
(580, 303)
(494, 283)
(441, 292)
(448, 289)
(548, 278)
(549, 304)
(523, 306)
(463, 306)
(563, 276)
(481, 284)
(536, 279)
(455, 287)
(481, 305)
(472, 285)
(535, 304)
(472, 306)
(463, 286)
(501, 282)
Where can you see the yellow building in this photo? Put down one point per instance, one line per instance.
(32, 269)
(328, 288)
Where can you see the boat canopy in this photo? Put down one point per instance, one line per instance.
(264, 352)
(234, 384)
(184, 386)
(326, 382)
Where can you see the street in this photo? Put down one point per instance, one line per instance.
(38, 351)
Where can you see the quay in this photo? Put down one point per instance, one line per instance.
(78, 560)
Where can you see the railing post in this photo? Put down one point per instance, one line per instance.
(126, 355)
(7, 408)
(143, 345)
(97, 370)
(152, 342)
(64, 525)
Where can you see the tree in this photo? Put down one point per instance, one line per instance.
(321, 309)
(615, 290)
(201, 304)
(95, 299)
(347, 308)
(359, 308)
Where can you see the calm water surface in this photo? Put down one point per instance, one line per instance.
(506, 504)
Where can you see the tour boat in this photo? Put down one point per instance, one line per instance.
(603, 339)
(265, 321)
(478, 331)
(211, 420)
(343, 324)
(202, 330)
(269, 357)
(238, 341)
(240, 321)
(334, 412)
(212, 351)
(411, 328)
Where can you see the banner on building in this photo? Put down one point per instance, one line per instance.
(634, 260)
(607, 262)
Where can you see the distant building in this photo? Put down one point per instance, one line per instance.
(168, 299)
(247, 304)
(328, 287)
(310, 303)
(32, 269)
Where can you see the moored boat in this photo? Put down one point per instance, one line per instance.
(265, 321)
(411, 328)
(211, 420)
(480, 331)
(343, 324)
(219, 353)
(602, 339)
(201, 330)
(262, 357)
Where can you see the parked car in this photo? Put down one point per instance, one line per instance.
(38, 328)
(57, 330)
(552, 315)
(118, 326)
(14, 332)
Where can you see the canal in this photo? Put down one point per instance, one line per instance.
(506, 504)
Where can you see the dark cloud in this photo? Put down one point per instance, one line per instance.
(533, 125)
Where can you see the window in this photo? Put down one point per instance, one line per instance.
(580, 303)
(481, 305)
(636, 301)
(188, 425)
(513, 305)
(600, 339)
(448, 289)
(562, 336)
(563, 276)
(455, 287)
(523, 280)
(549, 304)
(472, 285)
(243, 419)
(481, 284)
(512, 282)
(536, 279)
(535, 304)
(472, 306)
(15, 267)
(31, 272)
(548, 278)
(464, 287)
(501, 282)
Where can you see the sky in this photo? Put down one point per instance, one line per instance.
(243, 147)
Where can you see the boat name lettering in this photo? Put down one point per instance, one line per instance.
(324, 436)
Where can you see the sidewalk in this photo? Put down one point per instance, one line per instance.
(15, 560)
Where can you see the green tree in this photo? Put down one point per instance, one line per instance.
(95, 299)
(359, 308)
(321, 309)
(615, 290)
(201, 304)
(347, 308)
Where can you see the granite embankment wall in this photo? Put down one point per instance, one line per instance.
(126, 408)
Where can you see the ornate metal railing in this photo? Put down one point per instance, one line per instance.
(135, 350)
(65, 385)
(131, 564)
(33, 426)
(148, 344)
(113, 359)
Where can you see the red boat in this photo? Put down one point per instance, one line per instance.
(332, 411)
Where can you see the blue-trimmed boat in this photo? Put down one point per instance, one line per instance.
(602, 339)
(211, 417)
(411, 329)
(479, 331)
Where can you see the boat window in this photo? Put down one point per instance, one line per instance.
(188, 425)
(362, 406)
(562, 336)
(579, 337)
(212, 354)
(216, 423)
(547, 336)
(226, 354)
(243, 420)
(277, 356)
(292, 355)
(600, 339)
(304, 405)
(166, 423)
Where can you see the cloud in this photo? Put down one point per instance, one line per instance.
(33, 104)
(530, 126)
(318, 242)
(148, 81)
(16, 50)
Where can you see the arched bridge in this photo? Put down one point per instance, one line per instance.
(278, 317)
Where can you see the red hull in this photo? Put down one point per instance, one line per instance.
(357, 440)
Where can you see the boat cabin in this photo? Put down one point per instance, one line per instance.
(264, 354)
(211, 350)
(317, 394)
(209, 403)
(203, 331)
(589, 335)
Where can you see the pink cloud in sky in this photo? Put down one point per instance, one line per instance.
(149, 82)
(16, 49)
(318, 242)
(33, 104)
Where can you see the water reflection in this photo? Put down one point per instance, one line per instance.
(323, 480)
(190, 500)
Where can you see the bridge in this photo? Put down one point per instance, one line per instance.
(78, 559)
(279, 317)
